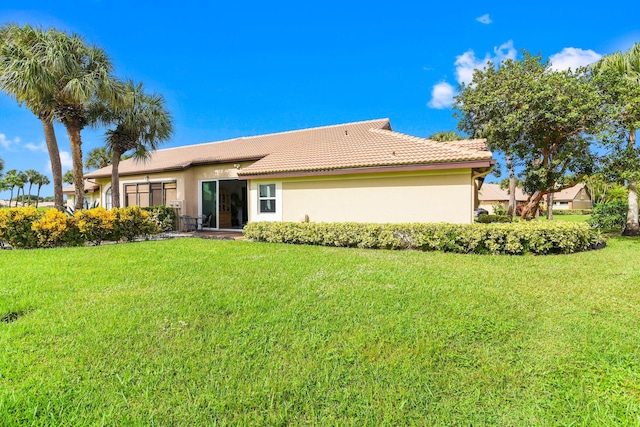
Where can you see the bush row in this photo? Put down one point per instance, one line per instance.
(29, 228)
(514, 238)
(572, 211)
(488, 218)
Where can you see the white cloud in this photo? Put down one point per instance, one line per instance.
(467, 63)
(572, 57)
(484, 19)
(33, 147)
(442, 96)
(65, 160)
(6, 143)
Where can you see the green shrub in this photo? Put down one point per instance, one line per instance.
(488, 219)
(512, 238)
(572, 211)
(95, 225)
(55, 228)
(131, 222)
(498, 209)
(163, 217)
(609, 216)
(15, 226)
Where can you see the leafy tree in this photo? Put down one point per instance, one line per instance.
(42, 180)
(446, 136)
(23, 77)
(618, 77)
(542, 119)
(1, 167)
(98, 158)
(141, 122)
(68, 177)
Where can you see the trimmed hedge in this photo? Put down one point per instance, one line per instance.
(489, 219)
(609, 216)
(572, 211)
(538, 238)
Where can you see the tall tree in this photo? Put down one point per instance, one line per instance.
(83, 78)
(98, 158)
(20, 180)
(42, 180)
(23, 76)
(32, 177)
(543, 119)
(618, 76)
(11, 180)
(1, 167)
(142, 122)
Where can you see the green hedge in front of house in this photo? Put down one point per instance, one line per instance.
(572, 211)
(539, 238)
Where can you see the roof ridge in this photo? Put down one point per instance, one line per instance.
(315, 128)
(447, 144)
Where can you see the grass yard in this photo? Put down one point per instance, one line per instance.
(199, 332)
(569, 218)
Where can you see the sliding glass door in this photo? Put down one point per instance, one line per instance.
(209, 202)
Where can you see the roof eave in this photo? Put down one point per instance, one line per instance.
(370, 169)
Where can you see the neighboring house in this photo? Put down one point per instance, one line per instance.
(362, 172)
(491, 194)
(91, 194)
(576, 197)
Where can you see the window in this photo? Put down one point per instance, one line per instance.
(267, 198)
(149, 194)
(107, 199)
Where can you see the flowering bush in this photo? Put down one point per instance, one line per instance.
(131, 222)
(15, 226)
(55, 228)
(95, 224)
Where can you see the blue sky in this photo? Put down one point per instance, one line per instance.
(244, 68)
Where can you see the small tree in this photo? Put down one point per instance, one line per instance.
(98, 158)
(68, 177)
(542, 119)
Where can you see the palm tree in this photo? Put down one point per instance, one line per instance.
(11, 180)
(23, 77)
(42, 180)
(82, 78)
(142, 123)
(98, 158)
(1, 167)
(67, 178)
(32, 176)
(20, 181)
(626, 67)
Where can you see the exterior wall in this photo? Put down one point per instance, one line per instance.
(488, 205)
(89, 198)
(430, 196)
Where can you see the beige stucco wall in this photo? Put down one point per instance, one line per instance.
(430, 196)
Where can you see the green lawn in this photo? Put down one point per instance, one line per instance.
(198, 332)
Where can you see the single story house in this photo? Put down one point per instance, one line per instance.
(576, 197)
(361, 172)
(491, 194)
(91, 194)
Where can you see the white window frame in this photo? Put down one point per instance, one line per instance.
(269, 198)
(254, 202)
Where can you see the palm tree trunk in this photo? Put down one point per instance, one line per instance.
(56, 166)
(38, 195)
(30, 185)
(511, 208)
(115, 178)
(632, 228)
(73, 130)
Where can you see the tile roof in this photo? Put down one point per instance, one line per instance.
(568, 194)
(89, 187)
(493, 192)
(351, 145)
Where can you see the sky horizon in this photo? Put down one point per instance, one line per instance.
(232, 70)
